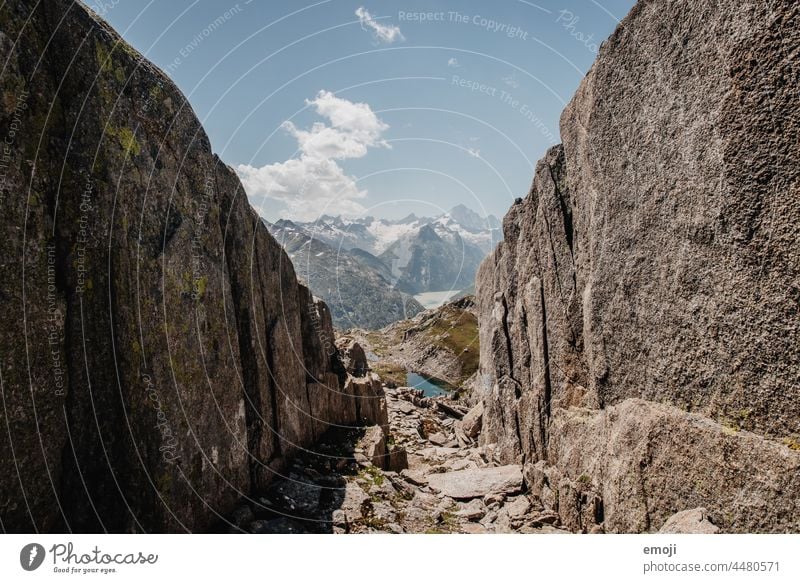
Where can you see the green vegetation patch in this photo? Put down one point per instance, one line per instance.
(103, 56)
(372, 474)
(126, 139)
(457, 330)
(390, 372)
(792, 442)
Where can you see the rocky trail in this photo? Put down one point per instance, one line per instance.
(425, 473)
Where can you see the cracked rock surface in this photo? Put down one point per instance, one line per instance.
(639, 332)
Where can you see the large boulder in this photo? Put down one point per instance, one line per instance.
(472, 421)
(374, 445)
(370, 399)
(353, 356)
(694, 521)
(355, 502)
(647, 461)
(657, 257)
(478, 482)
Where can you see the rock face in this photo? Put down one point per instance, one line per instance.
(159, 358)
(640, 319)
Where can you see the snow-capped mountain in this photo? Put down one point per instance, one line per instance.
(357, 286)
(433, 258)
(376, 235)
(413, 255)
(483, 232)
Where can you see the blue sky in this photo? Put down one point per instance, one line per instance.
(393, 107)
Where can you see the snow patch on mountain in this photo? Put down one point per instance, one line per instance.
(377, 235)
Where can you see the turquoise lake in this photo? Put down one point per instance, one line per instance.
(430, 387)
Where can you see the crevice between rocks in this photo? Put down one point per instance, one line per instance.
(247, 357)
(273, 389)
(548, 389)
(566, 210)
(507, 336)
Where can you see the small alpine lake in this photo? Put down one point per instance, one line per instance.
(430, 387)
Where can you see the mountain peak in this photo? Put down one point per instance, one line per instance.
(410, 218)
(462, 208)
(428, 233)
(473, 221)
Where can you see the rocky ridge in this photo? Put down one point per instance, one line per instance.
(159, 358)
(639, 325)
(376, 235)
(414, 254)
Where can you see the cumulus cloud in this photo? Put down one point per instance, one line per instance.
(380, 32)
(453, 62)
(353, 128)
(314, 182)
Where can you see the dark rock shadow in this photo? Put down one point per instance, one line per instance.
(305, 499)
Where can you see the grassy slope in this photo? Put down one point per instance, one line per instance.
(451, 328)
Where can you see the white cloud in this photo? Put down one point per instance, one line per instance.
(314, 183)
(354, 127)
(453, 62)
(380, 32)
(308, 187)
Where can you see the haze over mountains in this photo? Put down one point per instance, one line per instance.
(369, 269)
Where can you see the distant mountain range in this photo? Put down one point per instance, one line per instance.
(368, 269)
